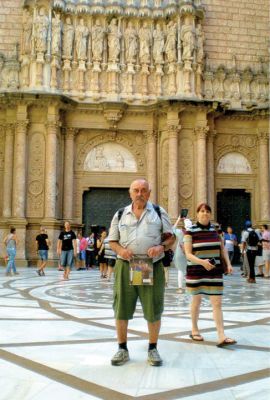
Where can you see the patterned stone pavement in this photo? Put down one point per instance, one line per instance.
(57, 338)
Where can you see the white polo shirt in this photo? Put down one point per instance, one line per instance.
(139, 235)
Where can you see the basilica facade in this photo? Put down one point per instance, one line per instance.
(96, 93)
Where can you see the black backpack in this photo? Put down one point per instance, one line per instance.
(168, 254)
(253, 239)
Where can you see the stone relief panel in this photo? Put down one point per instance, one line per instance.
(186, 161)
(234, 163)
(110, 157)
(2, 148)
(102, 150)
(244, 145)
(35, 191)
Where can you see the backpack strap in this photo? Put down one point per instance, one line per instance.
(120, 213)
(157, 210)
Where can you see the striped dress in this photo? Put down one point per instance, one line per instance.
(205, 245)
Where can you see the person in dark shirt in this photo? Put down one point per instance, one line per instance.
(67, 249)
(42, 244)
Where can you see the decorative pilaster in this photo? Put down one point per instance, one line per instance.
(264, 176)
(19, 176)
(68, 173)
(211, 169)
(50, 177)
(173, 130)
(151, 137)
(201, 134)
(8, 170)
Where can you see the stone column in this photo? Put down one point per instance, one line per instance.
(264, 176)
(51, 173)
(211, 171)
(173, 178)
(68, 174)
(152, 163)
(201, 134)
(19, 176)
(8, 171)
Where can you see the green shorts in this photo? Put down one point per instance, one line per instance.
(126, 295)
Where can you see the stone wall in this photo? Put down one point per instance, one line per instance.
(236, 27)
(10, 25)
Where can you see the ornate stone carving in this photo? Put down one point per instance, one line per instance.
(185, 169)
(68, 39)
(188, 39)
(158, 44)
(114, 36)
(170, 45)
(81, 37)
(263, 137)
(27, 32)
(145, 43)
(40, 31)
(233, 163)
(201, 132)
(98, 34)
(56, 34)
(35, 195)
(131, 43)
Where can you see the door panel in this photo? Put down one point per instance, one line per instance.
(100, 204)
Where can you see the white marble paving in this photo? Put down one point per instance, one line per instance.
(84, 299)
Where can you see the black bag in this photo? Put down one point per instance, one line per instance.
(253, 239)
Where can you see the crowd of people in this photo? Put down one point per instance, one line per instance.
(201, 252)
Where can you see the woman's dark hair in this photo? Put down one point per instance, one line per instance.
(265, 226)
(12, 229)
(204, 205)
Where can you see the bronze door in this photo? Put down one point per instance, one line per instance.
(100, 204)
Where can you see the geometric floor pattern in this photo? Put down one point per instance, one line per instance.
(57, 338)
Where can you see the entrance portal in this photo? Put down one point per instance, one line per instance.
(100, 204)
(233, 208)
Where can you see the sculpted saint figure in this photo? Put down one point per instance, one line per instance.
(158, 47)
(200, 41)
(114, 41)
(81, 35)
(41, 25)
(170, 45)
(98, 33)
(68, 38)
(27, 32)
(188, 40)
(145, 43)
(56, 34)
(131, 43)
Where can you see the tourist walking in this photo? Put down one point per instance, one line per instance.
(137, 232)
(230, 241)
(102, 262)
(179, 259)
(90, 251)
(204, 249)
(11, 242)
(67, 249)
(110, 257)
(266, 250)
(250, 241)
(259, 261)
(42, 245)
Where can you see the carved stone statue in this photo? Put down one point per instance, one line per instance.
(27, 32)
(131, 43)
(98, 33)
(114, 41)
(68, 38)
(81, 35)
(170, 45)
(188, 40)
(199, 45)
(158, 46)
(145, 43)
(40, 32)
(56, 34)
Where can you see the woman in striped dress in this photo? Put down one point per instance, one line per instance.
(203, 249)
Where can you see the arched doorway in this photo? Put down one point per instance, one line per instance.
(100, 204)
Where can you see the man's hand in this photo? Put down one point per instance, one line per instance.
(126, 254)
(155, 251)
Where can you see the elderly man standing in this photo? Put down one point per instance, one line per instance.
(136, 231)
